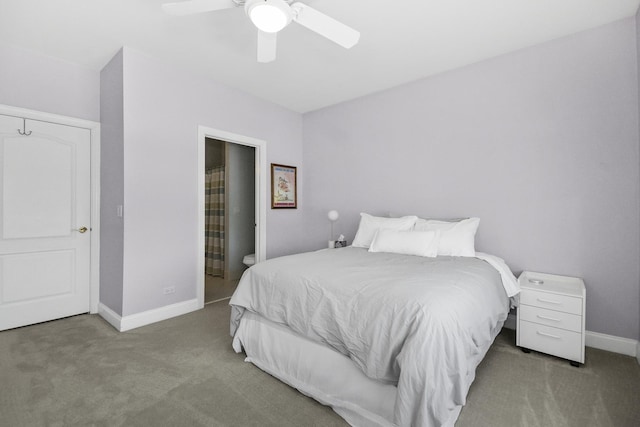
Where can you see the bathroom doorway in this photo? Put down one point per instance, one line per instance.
(261, 177)
(230, 216)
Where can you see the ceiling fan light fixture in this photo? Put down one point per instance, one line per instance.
(269, 16)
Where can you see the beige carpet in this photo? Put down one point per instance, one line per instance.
(517, 389)
(182, 372)
(217, 288)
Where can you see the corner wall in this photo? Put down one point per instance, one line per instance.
(541, 144)
(637, 22)
(163, 108)
(112, 183)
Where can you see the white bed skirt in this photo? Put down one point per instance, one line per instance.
(317, 371)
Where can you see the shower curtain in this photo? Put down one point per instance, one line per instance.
(214, 221)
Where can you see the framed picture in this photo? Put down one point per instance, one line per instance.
(284, 193)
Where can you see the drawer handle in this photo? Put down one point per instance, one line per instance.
(548, 335)
(548, 318)
(548, 301)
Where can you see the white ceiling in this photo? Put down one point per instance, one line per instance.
(400, 41)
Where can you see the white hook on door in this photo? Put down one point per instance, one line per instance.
(23, 131)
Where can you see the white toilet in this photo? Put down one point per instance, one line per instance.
(249, 260)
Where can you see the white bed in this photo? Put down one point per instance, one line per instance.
(384, 339)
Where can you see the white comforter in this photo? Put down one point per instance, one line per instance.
(423, 324)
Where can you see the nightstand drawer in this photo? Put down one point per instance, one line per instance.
(554, 341)
(551, 301)
(556, 319)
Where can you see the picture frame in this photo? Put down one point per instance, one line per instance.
(284, 187)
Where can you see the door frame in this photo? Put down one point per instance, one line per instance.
(94, 129)
(260, 196)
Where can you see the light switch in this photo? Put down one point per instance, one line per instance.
(119, 210)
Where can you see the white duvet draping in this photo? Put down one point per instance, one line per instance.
(422, 324)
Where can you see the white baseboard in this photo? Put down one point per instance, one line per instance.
(612, 343)
(113, 318)
(597, 340)
(137, 320)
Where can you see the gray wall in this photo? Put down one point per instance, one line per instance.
(111, 183)
(37, 82)
(163, 107)
(638, 72)
(241, 209)
(541, 144)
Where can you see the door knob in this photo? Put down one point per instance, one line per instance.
(82, 229)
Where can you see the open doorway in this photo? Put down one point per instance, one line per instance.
(230, 216)
(232, 184)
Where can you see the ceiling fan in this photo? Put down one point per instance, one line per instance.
(271, 16)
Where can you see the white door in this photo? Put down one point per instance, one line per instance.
(45, 235)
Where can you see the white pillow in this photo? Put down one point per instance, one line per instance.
(456, 238)
(420, 243)
(370, 224)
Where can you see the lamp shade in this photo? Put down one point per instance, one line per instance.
(269, 16)
(333, 216)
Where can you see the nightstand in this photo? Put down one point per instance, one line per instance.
(551, 315)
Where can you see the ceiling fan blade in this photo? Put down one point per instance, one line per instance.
(266, 46)
(324, 25)
(197, 6)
